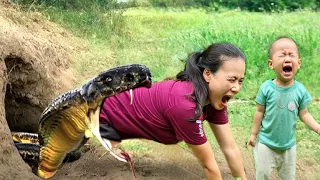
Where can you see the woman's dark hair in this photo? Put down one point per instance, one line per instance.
(211, 58)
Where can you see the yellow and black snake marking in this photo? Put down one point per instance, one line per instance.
(66, 123)
(21, 137)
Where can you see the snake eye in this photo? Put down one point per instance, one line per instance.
(108, 79)
(128, 78)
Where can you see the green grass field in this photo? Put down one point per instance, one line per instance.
(162, 39)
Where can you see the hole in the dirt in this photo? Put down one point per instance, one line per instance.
(22, 113)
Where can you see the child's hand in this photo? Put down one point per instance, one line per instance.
(252, 140)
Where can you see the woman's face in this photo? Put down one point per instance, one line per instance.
(226, 82)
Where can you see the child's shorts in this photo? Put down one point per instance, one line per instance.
(266, 159)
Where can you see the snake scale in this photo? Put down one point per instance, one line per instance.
(66, 123)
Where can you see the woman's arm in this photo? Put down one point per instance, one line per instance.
(229, 148)
(308, 119)
(205, 156)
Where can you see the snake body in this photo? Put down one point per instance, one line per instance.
(66, 122)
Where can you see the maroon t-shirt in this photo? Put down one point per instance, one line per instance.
(159, 113)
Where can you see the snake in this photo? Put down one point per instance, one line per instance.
(66, 123)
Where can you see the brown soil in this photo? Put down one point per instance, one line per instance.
(164, 162)
(35, 66)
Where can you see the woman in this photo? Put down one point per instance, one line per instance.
(174, 110)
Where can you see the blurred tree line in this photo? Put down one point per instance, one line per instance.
(249, 5)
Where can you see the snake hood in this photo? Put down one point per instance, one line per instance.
(74, 116)
(117, 80)
(106, 84)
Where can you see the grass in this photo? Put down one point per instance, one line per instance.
(241, 117)
(308, 142)
(162, 39)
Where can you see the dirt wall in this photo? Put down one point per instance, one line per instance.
(35, 57)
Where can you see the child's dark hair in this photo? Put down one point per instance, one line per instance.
(212, 58)
(278, 38)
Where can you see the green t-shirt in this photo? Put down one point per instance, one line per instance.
(282, 105)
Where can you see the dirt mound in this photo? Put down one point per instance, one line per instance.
(35, 58)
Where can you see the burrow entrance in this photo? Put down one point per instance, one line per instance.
(22, 108)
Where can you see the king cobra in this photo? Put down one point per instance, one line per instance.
(67, 121)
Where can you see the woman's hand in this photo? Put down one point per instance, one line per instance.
(229, 148)
(206, 158)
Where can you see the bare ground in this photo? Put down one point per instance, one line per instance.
(165, 162)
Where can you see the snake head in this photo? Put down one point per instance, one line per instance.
(116, 80)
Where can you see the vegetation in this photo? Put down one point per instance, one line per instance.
(163, 38)
(251, 5)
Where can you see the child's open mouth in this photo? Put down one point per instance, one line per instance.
(287, 69)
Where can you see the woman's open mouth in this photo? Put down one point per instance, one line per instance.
(225, 100)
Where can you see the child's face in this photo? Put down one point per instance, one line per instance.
(226, 82)
(284, 60)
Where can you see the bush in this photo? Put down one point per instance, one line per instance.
(75, 4)
(180, 3)
(251, 5)
(269, 5)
